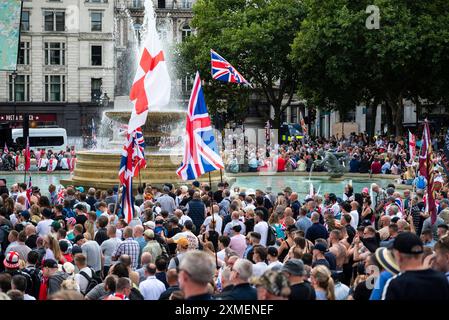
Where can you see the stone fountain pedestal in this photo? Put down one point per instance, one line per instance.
(99, 169)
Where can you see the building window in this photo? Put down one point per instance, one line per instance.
(96, 55)
(95, 89)
(54, 20)
(54, 88)
(186, 4)
(161, 4)
(95, 21)
(19, 88)
(24, 53)
(186, 32)
(54, 53)
(137, 3)
(186, 84)
(294, 113)
(25, 23)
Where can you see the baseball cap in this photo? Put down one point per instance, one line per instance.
(196, 184)
(319, 246)
(365, 190)
(242, 194)
(50, 263)
(150, 224)
(80, 189)
(407, 242)
(76, 249)
(25, 214)
(274, 282)
(12, 260)
(68, 268)
(183, 242)
(78, 238)
(56, 225)
(71, 221)
(149, 233)
(294, 267)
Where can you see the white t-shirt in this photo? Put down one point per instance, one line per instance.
(44, 227)
(81, 280)
(191, 238)
(151, 288)
(259, 268)
(218, 223)
(262, 228)
(275, 264)
(184, 218)
(354, 218)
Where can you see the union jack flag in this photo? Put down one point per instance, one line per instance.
(200, 149)
(29, 192)
(133, 159)
(223, 70)
(400, 204)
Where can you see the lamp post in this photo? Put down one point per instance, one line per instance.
(13, 76)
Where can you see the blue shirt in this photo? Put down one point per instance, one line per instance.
(384, 276)
(303, 224)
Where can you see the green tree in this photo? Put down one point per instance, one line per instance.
(253, 35)
(342, 63)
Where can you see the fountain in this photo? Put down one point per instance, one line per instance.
(163, 132)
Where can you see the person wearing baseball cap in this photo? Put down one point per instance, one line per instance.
(300, 288)
(272, 285)
(415, 281)
(52, 279)
(182, 248)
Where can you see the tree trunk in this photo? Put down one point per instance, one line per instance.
(397, 113)
(389, 117)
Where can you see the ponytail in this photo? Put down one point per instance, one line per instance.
(330, 289)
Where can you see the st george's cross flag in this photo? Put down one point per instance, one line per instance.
(152, 84)
(200, 148)
(223, 70)
(133, 159)
(411, 146)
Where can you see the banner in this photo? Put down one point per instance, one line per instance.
(10, 11)
(445, 156)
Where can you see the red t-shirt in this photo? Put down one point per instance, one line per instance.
(281, 164)
(376, 167)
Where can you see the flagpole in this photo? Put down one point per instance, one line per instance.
(221, 176)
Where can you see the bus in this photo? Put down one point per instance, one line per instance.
(54, 139)
(288, 131)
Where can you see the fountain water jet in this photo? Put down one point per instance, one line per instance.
(163, 132)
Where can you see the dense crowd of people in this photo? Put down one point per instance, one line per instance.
(41, 160)
(358, 153)
(197, 244)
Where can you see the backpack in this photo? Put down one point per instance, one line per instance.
(4, 232)
(36, 277)
(271, 236)
(92, 281)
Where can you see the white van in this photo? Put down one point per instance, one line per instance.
(54, 139)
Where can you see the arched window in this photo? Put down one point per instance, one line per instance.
(186, 31)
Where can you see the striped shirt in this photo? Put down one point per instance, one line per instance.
(130, 247)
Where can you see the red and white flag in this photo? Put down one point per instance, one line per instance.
(27, 156)
(152, 84)
(411, 146)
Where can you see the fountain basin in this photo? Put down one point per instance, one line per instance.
(100, 170)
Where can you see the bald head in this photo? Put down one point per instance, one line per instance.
(315, 217)
(146, 258)
(354, 205)
(138, 231)
(235, 215)
(288, 212)
(172, 277)
(294, 196)
(178, 213)
(215, 208)
(30, 230)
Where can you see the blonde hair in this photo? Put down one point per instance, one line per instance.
(53, 245)
(324, 280)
